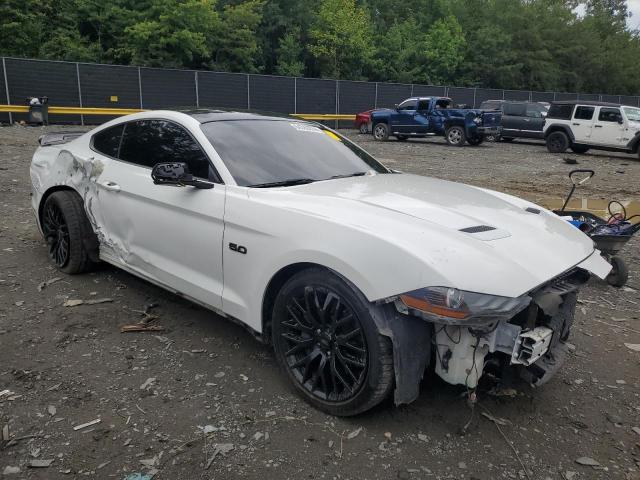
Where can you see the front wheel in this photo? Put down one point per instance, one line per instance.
(492, 137)
(455, 136)
(328, 344)
(381, 132)
(557, 142)
(619, 273)
(364, 128)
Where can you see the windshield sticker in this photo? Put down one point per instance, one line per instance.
(332, 135)
(301, 127)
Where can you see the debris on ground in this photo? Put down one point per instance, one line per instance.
(587, 461)
(141, 327)
(36, 463)
(85, 425)
(95, 301)
(354, 433)
(219, 449)
(46, 283)
(633, 346)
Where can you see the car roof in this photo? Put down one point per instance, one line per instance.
(206, 115)
(427, 98)
(587, 102)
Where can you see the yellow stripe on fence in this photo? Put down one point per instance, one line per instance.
(127, 111)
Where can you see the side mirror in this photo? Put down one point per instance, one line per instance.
(395, 105)
(176, 173)
(620, 120)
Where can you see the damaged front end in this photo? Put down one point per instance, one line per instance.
(470, 333)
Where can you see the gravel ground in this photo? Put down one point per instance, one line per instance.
(204, 400)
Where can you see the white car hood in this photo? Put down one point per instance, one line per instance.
(513, 251)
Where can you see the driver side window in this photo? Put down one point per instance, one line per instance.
(407, 105)
(609, 114)
(148, 142)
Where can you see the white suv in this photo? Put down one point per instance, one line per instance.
(581, 125)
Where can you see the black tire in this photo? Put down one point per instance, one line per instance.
(579, 148)
(72, 243)
(507, 139)
(455, 136)
(619, 274)
(402, 138)
(329, 346)
(557, 142)
(475, 141)
(364, 128)
(381, 132)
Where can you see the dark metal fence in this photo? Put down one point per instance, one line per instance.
(70, 84)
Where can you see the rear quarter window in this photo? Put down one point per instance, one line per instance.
(561, 111)
(107, 141)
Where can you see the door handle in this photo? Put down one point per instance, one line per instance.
(598, 126)
(111, 186)
(576, 124)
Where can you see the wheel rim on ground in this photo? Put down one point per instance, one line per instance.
(56, 232)
(455, 135)
(379, 132)
(323, 344)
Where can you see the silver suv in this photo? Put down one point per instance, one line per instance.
(581, 125)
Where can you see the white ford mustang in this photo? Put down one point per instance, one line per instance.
(361, 277)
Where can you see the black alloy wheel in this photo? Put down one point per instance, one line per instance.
(327, 342)
(324, 344)
(56, 233)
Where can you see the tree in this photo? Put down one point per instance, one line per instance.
(341, 39)
(237, 45)
(444, 49)
(290, 54)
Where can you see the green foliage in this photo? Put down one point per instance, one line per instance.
(516, 44)
(341, 39)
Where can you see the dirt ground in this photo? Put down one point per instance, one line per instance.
(204, 400)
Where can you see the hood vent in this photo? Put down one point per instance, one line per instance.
(477, 229)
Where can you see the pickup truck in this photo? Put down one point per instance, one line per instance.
(423, 116)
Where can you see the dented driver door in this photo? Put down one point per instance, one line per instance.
(172, 235)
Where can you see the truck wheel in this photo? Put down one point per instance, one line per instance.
(364, 128)
(579, 148)
(455, 136)
(619, 273)
(381, 132)
(475, 140)
(69, 235)
(327, 342)
(557, 142)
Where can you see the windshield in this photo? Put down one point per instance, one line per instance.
(632, 113)
(259, 152)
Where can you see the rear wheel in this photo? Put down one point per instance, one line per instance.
(70, 238)
(619, 273)
(328, 344)
(455, 136)
(557, 142)
(364, 128)
(579, 148)
(381, 132)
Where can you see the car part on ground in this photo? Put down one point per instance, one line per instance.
(305, 222)
(425, 116)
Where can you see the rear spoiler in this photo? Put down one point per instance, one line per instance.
(58, 138)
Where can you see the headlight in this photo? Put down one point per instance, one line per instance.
(452, 306)
(478, 120)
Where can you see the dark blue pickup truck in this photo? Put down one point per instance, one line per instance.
(423, 116)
